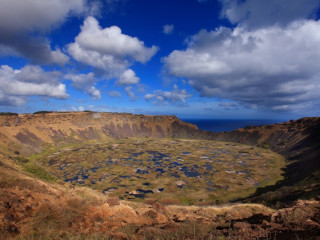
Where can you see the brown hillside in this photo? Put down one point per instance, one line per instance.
(33, 209)
(29, 133)
(299, 142)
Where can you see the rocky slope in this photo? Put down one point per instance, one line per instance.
(29, 133)
(299, 142)
(33, 209)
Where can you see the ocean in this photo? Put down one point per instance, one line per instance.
(225, 125)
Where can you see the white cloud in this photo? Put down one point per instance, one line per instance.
(30, 15)
(115, 94)
(275, 67)
(159, 97)
(262, 13)
(108, 49)
(23, 22)
(130, 93)
(85, 82)
(168, 29)
(16, 85)
(127, 77)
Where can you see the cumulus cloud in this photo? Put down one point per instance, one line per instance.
(36, 49)
(36, 15)
(108, 49)
(168, 29)
(22, 34)
(18, 84)
(85, 82)
(160, 97)
(262, 13)
(128, 77)
(274, 67)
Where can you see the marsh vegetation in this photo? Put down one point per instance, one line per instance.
(176, 171)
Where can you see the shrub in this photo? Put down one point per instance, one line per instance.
(38, 172)
(42, 112)
(8, 114)
(22, 160)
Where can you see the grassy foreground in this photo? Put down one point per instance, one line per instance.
(35, 209)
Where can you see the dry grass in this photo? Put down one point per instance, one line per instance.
(31, 209)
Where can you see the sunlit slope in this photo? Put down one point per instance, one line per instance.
(35, 209)
(30, 133)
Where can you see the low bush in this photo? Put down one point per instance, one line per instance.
(38, 172)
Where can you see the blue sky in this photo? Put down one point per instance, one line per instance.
(257, 59)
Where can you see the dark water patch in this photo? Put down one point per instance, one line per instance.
(186, 153)
(72, 179)
(139, 195)
(160, 170)
(85, 176)
(142, 171)
(144, 191)
(208, 166)
(184, 168)
(94, 169)
(146, 184)
(191, 174)
(124, 176)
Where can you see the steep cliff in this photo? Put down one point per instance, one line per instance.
(29, 133)
(299, 142)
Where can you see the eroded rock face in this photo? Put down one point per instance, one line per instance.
(33, 131)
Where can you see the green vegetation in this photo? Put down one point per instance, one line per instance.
(38, 172)
(43, 112)
(22, 160)
(264, 145)
(8, 114)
